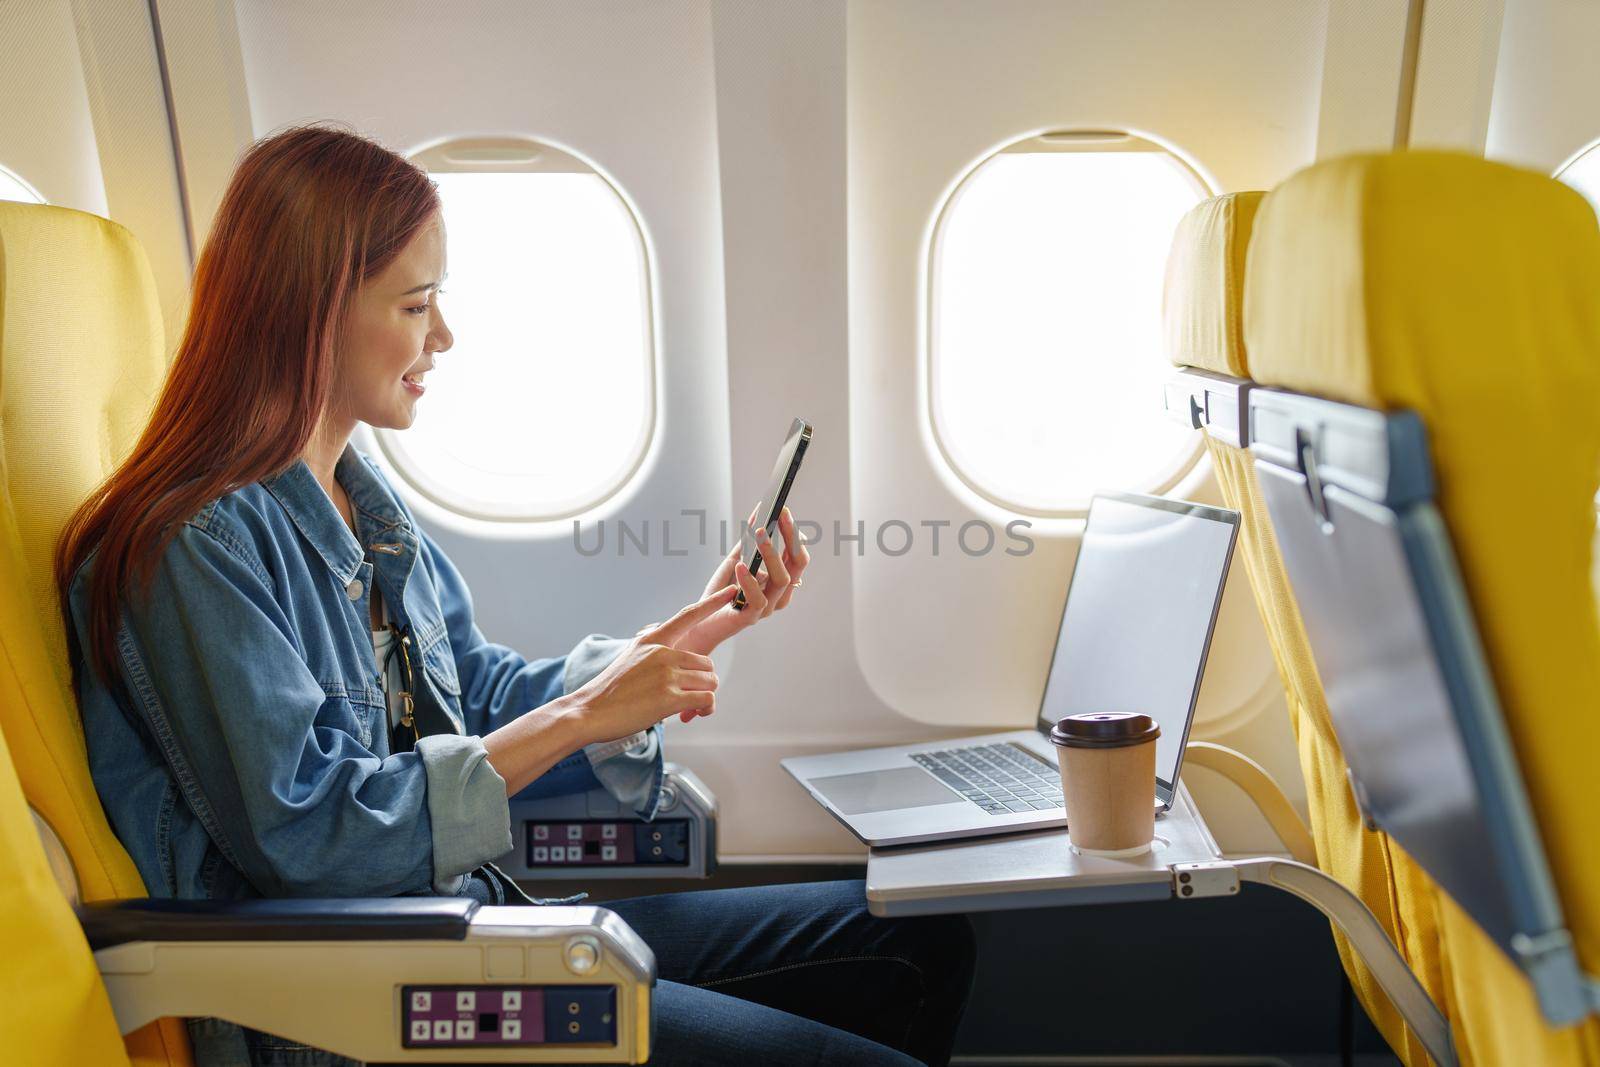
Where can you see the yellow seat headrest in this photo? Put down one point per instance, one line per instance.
(1202, 302)
(1398, 280)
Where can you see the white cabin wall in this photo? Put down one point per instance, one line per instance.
(45, 126)
(1546, 106)
(794, 687)
(1367, 73)
(1455, 74)
(210, 101)
(84, 122)
(122, 71)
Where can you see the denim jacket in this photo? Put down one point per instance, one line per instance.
(247, 750)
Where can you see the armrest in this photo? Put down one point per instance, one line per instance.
(384, 919)
(1262, 789)
(403, 980)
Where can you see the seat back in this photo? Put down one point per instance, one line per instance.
(81, 361)
(1445, 573)
(1203, 318)
(56, 1007)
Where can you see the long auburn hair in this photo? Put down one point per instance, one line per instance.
(310, 212)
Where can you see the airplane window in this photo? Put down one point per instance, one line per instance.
(14, 188)
(1045, 330)
(544, 405)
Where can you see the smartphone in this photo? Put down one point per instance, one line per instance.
(771, 505)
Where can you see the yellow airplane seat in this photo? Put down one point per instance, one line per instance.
(81, 358)
(1203, 323)
(56, 1008)
(1424, 332)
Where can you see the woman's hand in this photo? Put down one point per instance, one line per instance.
(770, 592)
(647, 681)
(653, 677)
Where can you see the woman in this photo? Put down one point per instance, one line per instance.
(232, 586)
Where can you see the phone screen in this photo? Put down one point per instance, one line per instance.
(771, 504)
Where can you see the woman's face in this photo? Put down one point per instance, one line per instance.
(393, 330)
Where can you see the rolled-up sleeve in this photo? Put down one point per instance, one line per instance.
(466, 805)
(498, 684)
(272, 762)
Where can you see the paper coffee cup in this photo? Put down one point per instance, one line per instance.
(1108, 780)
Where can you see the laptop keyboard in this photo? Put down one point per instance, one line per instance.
(1001, 779)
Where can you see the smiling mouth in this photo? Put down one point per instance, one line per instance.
(413, 383)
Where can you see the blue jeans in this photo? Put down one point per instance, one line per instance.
(774, 975)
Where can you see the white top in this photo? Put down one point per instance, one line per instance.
(389, 677)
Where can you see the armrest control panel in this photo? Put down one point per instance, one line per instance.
(454, 1016)
(664, 842)
(588, 836)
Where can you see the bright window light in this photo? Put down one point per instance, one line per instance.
(14, 188)
(1046, 351)
(543, 406)
(1583, 174)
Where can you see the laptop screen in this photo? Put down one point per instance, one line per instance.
(1139, 614)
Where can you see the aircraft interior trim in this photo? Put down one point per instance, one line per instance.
(1153, 446)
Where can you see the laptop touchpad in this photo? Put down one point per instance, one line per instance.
(903, 787)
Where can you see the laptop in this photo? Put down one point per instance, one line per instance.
(1134, 634)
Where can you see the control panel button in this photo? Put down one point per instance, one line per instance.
(465, 1030)
(442, 1029)
(466, 1000)
(422, 1002)
(512, 1029)
(609, 831)
(574, 853)
(608, 853)
(541, 853)
(511, 1000)
(420, 1030)
(541, 833)
(574, 833)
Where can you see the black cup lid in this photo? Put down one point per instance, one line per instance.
(1104, 729)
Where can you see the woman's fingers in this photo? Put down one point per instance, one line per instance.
(788, 594)
(694, 661)
(777, 570)
(682, 699)
(697, 681)
(755, 599)
(690, 715)
(705, 703)
(797, 558)
(669, 632)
